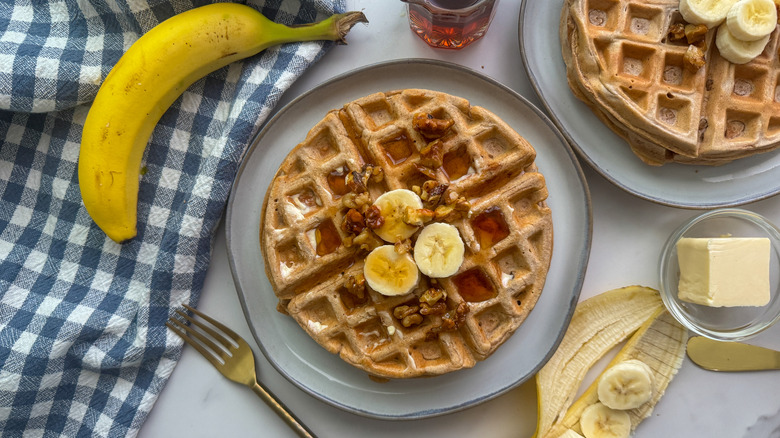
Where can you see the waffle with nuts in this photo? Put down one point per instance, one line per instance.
(470, 169)
(671, 96)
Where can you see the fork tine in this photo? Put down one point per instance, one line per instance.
(192, 342)
(216, 324)
(221, 350)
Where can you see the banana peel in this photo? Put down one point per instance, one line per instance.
(660, 343)
(598, 325)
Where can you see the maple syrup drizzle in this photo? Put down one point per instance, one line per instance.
(337, 183)
(328, 239)
(490, 227)
(474, 286)
(398, 148)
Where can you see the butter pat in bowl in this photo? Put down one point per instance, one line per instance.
(724, 271)
(720, 274)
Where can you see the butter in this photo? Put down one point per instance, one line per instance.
(724, 271)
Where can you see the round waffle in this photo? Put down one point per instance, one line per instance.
(621, 62)
(315, 264)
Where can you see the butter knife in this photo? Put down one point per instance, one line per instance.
(731, 356)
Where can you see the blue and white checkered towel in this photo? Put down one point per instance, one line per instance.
(83, 346)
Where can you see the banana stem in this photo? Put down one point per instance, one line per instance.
(333, 28)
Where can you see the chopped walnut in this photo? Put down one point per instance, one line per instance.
(357, 201)
(404, 310)
(403, 246)
(427, 171)
(453, 210)
(374, 217)
(358, 181)
(432, 192)
(694, 57)
(356, 285)
(432, 295)
(353, 222)
(454, 318)
(695, 32)
(676, 31)
(367, 240)
(429, 126)
(432, 154)
(417, 217)
(416, 189)
(411, 320)
(439, 308)
(355, 182)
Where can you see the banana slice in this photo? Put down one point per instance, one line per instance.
(389, 272)
(751, 20)
(392, 205)
(707, 12)
(600, 421)
(568, 433)
(735, 50)
(627, 385)
(439, 250)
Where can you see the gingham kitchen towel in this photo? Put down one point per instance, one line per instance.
(83, 346)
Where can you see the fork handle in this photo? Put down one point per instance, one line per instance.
(281, 410)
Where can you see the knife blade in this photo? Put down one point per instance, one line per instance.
(731, 356)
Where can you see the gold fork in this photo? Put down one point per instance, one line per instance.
(233, 358)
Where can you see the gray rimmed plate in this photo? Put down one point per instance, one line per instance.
(325, 376)
(740, 182)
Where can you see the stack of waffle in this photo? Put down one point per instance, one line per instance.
(315, 265)
(621, 61)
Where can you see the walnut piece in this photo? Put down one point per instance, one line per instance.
(432, 154)
(374, 217)
(353, 222)
(429, 126)
(357, 201)
(432, 192)
(676, 31)
(367, 240)
(403, 246)
(695, 32)
(356, 285)
(417, 217)
(694, 57)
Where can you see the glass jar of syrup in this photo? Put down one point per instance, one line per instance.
(450, 24)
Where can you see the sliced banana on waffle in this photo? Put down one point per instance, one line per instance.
(626, 385)
(735, 50)
(439, 250)
(390, 272)
(392, 206)
(707, 12)
(752, 20)
(601, 421)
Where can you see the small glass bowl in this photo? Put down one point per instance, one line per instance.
(722, 323)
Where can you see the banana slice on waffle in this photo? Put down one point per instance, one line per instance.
(408, 233)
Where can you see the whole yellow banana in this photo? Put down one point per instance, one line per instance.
(149, 77)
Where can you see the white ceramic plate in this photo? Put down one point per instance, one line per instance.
(327, 377)
(739, 182)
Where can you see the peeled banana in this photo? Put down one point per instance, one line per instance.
(392, 205)
(149, 77)
(597, 325)
(390, 272)
(439, 250)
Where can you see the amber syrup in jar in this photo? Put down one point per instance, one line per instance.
(450, 24)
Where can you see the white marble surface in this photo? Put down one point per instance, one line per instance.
(627, 236)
